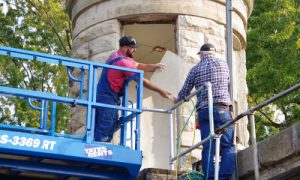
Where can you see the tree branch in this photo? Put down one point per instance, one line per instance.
(50, 23)
(270, 120)
(266, 116)
(17, 64)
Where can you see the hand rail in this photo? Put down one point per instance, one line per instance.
(174, 106)
(248, 112)
(261, 105)
(219, 131)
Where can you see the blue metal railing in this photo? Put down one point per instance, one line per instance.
(88, 68)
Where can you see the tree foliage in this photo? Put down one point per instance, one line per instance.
(42, 26)
(273, 61)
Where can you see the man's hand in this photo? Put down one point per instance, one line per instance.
(167, 95)
(150, 67)
(175, 100)
(160, 66)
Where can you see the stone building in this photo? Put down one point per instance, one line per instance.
(171, 32)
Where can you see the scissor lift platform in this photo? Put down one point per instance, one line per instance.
(42, 153)
(24, 154)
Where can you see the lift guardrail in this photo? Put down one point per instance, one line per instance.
(46, 142)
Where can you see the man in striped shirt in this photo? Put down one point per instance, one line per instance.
(214, 70)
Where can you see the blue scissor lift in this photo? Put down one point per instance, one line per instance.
(42, 152)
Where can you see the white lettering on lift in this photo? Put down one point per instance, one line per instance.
(27, 142)
(48, 145)
(98, 152)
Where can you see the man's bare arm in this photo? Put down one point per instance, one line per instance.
(150, 67)
(149, 85)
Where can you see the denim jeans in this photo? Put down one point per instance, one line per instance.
(227, 164)
(106, 119)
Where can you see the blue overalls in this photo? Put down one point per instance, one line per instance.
(106, 118)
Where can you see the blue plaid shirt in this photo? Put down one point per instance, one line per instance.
(210, 69)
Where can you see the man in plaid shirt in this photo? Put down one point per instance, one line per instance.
(214, 70)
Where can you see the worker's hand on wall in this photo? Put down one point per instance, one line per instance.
(150, 67)
(160, 66)
(166, 94)
(175, 100)
(172, 98)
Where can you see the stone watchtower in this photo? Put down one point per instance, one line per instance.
(168, 31)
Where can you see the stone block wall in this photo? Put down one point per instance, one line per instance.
(98, 25)
(278, 157)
